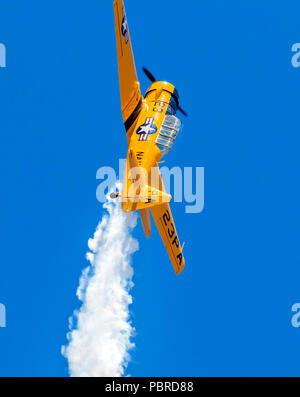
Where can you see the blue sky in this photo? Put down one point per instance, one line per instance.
(229, 313)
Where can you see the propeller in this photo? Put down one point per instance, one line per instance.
(153, 80)
(149, 75)
(182, 111)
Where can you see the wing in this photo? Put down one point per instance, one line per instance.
(165, 224)
(131, 98)
(163, 218)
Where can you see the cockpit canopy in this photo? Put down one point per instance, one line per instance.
(169, 130)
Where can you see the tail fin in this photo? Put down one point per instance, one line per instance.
(145, 218)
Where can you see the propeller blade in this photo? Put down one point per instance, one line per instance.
(149, 75)
(153, 80)
(182, 111)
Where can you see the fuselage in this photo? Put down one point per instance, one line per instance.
(150, 137)
(161, 100)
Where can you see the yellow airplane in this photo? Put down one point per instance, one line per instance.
(151, 128)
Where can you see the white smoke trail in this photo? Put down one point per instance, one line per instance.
(101, 340)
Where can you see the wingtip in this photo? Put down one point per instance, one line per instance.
(180, 269)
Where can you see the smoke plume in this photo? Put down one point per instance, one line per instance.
(100, 334)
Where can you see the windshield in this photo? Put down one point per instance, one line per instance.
(172, 107)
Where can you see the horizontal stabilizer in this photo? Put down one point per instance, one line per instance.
(148, 197)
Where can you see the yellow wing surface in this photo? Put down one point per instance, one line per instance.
(163, 218)
(165, 224)
(131, 98)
